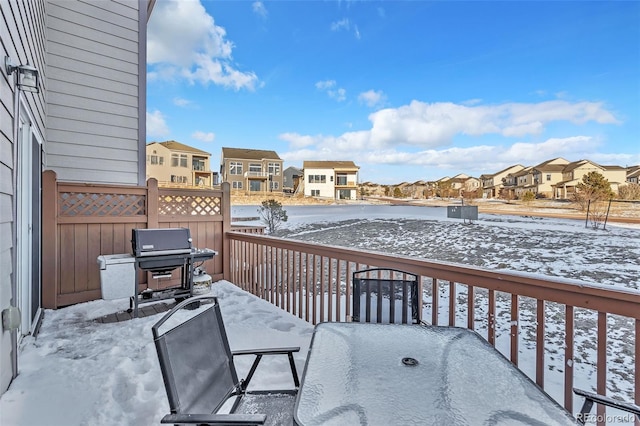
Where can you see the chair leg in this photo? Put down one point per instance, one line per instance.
(585, 410)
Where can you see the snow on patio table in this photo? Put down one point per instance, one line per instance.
(356, 375)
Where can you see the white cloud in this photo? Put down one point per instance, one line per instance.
(181, 102)
(372, 98)
(156, 125)
(183, 41)
(203, 136)
(327, 86)
(418, 134)
(342, 24)
(356, 31)
(259, 9)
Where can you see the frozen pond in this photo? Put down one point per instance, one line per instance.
(551, 247)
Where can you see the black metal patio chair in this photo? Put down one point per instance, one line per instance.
(200, 375)
(590, 398)
(386, 296)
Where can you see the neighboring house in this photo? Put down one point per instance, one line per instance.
(291, 179)
(492, 184)
(175, 164)
(633, 174)
(573, 173)
(86, 122)
(547, 174)
(251, 170)
(523, 182)
(331, 179)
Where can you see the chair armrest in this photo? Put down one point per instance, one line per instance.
(259, 353)
(590, 398)
(267, 351)
(216, 419)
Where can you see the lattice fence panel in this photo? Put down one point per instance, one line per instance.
(92, 204)
(189, 205)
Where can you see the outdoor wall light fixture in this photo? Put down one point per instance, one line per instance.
(27, 75)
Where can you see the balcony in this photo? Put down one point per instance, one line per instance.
(256, 175)
(542, 324)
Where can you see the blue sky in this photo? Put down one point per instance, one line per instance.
(408, 90)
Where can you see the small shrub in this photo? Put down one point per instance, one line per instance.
(528, 197)
(272, 214)
(629, 191)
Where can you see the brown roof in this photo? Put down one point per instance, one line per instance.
(177, 146)
(249, 154)
(572, 166)
(329, 165)
(550, 167)
(548, 163)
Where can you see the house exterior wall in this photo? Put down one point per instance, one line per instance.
(544, 181)
(319, 183)
(22, 32)
(168, 175)
(240, 180)
(96, 71)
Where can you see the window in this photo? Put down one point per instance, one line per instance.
(315, 192)
(155, 159)
(198, 164)
(178, 179)
(254, 185)
(548, 178)
(255, 167)
(178, 160)
(275, 185)
(236, 185)
(235, 168)
(274, 169)
(341, 180)
(317, 179)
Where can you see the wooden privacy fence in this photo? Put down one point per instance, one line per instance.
(82, 221)
(556, 323)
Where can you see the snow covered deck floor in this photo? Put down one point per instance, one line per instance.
(80, 371)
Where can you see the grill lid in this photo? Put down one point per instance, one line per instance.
(160, 241)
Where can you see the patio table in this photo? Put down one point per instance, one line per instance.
(389, 374)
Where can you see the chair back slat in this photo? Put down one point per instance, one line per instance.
(383, 299)
(198, 368)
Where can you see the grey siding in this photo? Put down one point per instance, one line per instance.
(93, 121)
(22, 39)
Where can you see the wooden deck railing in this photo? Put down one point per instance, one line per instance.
(523, 315)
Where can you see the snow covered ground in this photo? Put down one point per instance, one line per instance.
(81, 372)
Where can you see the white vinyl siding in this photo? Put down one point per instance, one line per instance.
(92, 77)
(22, 32)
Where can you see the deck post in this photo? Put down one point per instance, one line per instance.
(226, 227)
(50, 278)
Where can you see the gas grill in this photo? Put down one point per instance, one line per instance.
(161, 251)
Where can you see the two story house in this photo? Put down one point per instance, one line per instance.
(547, 174)
(291, 179)
(251, 170)
(175, 164)
(573, 173)
(331, 179)
(633, 174)
(492, 184)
